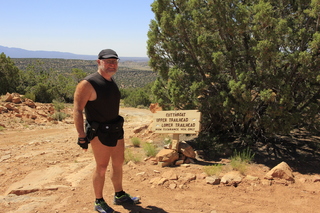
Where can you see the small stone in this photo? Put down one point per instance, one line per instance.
(173, 186)
(213, 180)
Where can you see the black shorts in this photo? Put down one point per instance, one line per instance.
(108, 133)
(110, 138)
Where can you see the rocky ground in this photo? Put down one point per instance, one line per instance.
(43, 170)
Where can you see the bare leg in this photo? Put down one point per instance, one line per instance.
(117, 157)
(102, 155)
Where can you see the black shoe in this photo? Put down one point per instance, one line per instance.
(125, 199)
(103, 207)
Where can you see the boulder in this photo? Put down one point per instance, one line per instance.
(281, 171)
(187, 150)
(29, 103)
(8, 97)
(16, 100)
(232, 178)
(214, 180)
(155, 107)
(167, 155)
(10, 106)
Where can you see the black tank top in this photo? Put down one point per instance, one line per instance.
(106, 107)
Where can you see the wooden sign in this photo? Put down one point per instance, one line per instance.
(176, 122)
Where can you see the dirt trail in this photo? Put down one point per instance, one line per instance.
(43, 170)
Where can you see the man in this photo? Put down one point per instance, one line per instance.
(99, 96)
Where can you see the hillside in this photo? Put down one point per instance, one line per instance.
(130, 74)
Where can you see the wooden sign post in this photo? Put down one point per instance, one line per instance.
(176, 122)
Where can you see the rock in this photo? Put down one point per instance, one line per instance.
(232, 178)
(16, 100)
(131, 164)
(188, 160)
(173, 186)
(189, 177)
(265, 182)
(316, 178)
(3, 109)
(158, 180)
(214, 180)
(167, 155)
(140, 173)
(5, 157)
(42, 113)
(29, 103)
(139, 129)
(179, 162)
(186, 150)
(203, 175)
(155, 107)
(225, 161)
(164, 164)
(9, 106)
(281, 171)
(302, 180)
(162, 181)
(153, 161)
(170, 175)
(68, 121)
(8, 97)
(199, 154)
(251, 178)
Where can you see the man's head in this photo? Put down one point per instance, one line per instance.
(107, 53)
(108, 62)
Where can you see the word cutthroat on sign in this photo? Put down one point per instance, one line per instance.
(176, 122)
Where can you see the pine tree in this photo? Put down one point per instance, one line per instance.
(252, 67)
(9, 75)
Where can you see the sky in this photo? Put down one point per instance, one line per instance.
(80, 27)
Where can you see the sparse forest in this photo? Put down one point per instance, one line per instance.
(46, 80)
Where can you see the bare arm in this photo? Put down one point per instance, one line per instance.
(84, 92)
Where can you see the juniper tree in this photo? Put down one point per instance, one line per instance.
(9, 75)
(251, 67)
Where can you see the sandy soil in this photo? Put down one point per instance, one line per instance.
(44, 170)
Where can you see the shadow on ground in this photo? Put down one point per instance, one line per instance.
(300, 150)
(139, 209)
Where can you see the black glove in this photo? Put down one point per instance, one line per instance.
(83, 142)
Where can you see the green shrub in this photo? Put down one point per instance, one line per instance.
(213, 169)
(130, 156)
(135, 142)
(59, 116)
(245, 156)
(150, 150)
(240, 160)
(30, 96)
(58, 106)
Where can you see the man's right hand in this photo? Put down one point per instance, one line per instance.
(83, 142)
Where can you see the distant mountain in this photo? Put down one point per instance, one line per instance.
(13, 52)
